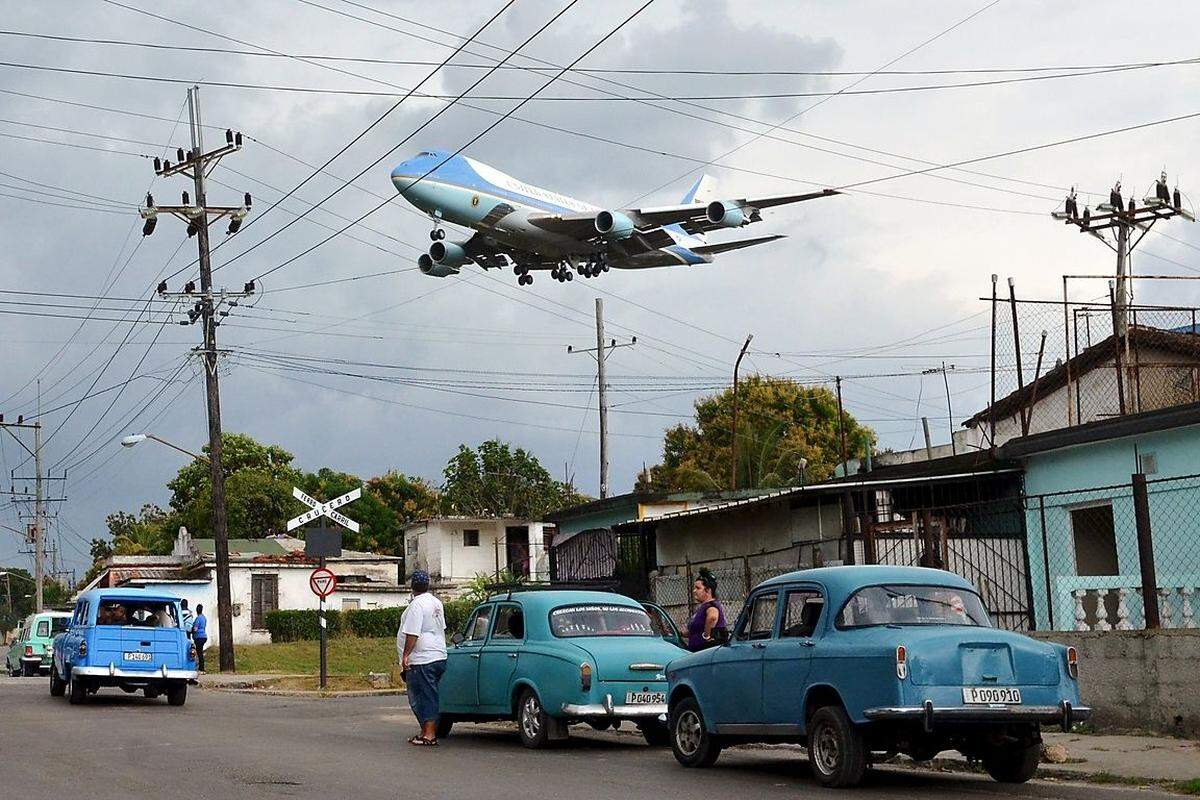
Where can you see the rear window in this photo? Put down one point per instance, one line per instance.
(600, 619)
(913, 605)
(52, 627)
(138, 613)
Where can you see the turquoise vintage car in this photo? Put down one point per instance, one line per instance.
(554, 657)
(32, 649)
(864, 662)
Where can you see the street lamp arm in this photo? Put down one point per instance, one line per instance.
(198, 456)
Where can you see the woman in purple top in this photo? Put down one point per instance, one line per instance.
(709, 617)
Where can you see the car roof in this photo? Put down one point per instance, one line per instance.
(47, 614)
(841, 581)
(553, 598)
(130, 593)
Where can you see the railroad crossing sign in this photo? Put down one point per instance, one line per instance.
(319, 509)
(322, 582)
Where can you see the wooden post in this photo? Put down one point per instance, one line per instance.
(1141, 513)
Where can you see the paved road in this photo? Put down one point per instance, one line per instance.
(223, 745)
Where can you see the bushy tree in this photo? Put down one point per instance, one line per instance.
(151, 532)
(388, 503)
(496, 479)
(780, 422)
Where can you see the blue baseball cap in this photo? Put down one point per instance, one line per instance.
(419, 578)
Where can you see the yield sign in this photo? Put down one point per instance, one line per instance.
(319, 509)
(322, 582)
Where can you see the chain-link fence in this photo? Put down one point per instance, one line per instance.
(1119, 557)
(1066, 356)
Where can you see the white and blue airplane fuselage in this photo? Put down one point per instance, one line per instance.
(531, 228)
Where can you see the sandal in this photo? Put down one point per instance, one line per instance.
(421, 741)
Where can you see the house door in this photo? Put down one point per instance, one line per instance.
(264, 597)
(516, 538)
(1095, 554)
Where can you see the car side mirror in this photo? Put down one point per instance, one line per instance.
(456, 639)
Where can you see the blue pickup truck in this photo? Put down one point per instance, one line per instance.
(132, 639)
(860, 663)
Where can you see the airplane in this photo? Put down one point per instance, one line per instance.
(529, 228)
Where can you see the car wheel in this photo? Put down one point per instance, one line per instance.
(1015, 763)
(58, 686)
(444, 724)
(533, 724)
(656, 733)
(76, 690)
(691, 742)
(177, 694)
(835, 748)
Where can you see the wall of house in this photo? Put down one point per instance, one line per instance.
(1138, 679)
(441, 551)
(1072, 473)
(746, 531)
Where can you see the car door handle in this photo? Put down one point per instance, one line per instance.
(759, 645)
(512, 655)
(808, 643)
(474, 655)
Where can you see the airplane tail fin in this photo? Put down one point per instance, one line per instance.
(702, 191)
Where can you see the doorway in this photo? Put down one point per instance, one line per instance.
(516, 538)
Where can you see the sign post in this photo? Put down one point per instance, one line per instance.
(321, 543)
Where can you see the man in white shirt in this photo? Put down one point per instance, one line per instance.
(421, 645)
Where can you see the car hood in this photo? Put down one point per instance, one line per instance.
(629, 658)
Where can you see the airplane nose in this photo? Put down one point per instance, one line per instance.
(404, 174)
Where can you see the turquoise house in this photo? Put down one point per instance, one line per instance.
(1084, 566)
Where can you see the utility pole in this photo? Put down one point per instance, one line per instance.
(949, 410)
(1123, 217)
(733, 450)
(601, 353)
(35, 533)
(207, 309)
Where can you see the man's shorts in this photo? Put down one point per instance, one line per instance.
(423, 680)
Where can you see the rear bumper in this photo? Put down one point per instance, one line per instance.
(1063, 714)
(112, 671)
(609, 710)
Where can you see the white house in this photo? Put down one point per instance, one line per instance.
(264, 575)
(454, 550)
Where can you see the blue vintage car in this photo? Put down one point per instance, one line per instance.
(863, 662)
(550, 658)
(129, 638)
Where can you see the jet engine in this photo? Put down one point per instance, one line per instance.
(448, 254)
(614, 225)
(428, 267)
(726, 214)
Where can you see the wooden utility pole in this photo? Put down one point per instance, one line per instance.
(196, 165)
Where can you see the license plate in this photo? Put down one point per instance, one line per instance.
(645, 698)
(991, 696)
(137, 655)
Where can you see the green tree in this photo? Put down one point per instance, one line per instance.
(17, 596)
(151, 532)
(780, 422)
(388, 503)
(258, 489)
(498, 480)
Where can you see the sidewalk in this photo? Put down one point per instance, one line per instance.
(1089, 755)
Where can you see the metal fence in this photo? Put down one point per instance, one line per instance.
(1117, 557)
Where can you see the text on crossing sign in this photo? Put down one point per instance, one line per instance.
(322, 582)
(319, 509)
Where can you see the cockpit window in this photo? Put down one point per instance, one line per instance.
(424, 153)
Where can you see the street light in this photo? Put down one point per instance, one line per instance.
(136, 438)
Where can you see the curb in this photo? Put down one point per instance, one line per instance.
(268, 692)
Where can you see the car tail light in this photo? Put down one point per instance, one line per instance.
(585, 676)
(83, 648)
(192, 652)
(901, 662)
(1072, 662)
(28, 649)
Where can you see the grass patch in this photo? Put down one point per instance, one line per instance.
(348, 655)
(1188, 787)
(310, 683)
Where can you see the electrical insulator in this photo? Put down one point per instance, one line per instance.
(1178, 200)
(1087, 215)
(223, 313)
(162, 287)
(249, 288)
(237, 138)
(157, 164)
(20, 418)
(192, 229)
(235, 225)
(246, 198)
(179, 154)
(184, 322)
(189, 287)
(148, 226)
(228, 136)
(149, 200)
(187, 200)
(166, 165)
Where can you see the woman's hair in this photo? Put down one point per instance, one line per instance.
(706, 578)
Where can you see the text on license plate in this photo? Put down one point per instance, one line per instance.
(991, 695)
(644, 698)
(136, 655)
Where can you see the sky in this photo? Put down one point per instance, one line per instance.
(877, 285)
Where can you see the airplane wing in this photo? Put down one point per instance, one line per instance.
(692, 217)
(725, 247)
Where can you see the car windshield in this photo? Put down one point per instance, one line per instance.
(913, 605)
(600, 619)
(140, 613)
(52, 626)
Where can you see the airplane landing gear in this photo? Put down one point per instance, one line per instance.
(525, 280)
(437, 234)
(562, 273)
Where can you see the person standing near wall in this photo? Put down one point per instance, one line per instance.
(707, 626)
(200, 635)
(421, 645)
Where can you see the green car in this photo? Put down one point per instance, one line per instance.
(33, 649)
